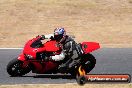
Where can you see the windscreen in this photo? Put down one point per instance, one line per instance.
(37, 44)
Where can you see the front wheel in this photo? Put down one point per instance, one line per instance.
(15, 68)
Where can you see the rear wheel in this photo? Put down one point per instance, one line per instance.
(88, 62)
(15, 68)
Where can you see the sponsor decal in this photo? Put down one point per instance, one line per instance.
(103, 78)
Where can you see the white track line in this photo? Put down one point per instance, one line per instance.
(11, 48)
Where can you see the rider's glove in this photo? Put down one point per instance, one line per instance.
(48, 59)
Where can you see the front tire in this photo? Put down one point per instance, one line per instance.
(14, 68)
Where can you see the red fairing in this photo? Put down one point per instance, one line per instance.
(40, 66)
(49, 66)
(51, 46)
(90, 46)
(32, 51)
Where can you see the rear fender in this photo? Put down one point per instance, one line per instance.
(90, 47)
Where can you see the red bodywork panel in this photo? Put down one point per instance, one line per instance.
(21, 57)
(51, 46)
(90, 46)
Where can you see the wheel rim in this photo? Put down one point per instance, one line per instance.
(16, 68)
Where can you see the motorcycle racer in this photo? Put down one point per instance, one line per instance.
(70, 49)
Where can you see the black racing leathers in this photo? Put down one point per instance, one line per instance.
(73, 52)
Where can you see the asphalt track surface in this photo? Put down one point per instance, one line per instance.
(109, 61)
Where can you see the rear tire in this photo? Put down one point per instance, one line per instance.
(88, 62)
(14, 68)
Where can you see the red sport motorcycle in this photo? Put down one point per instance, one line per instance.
(35, 51)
